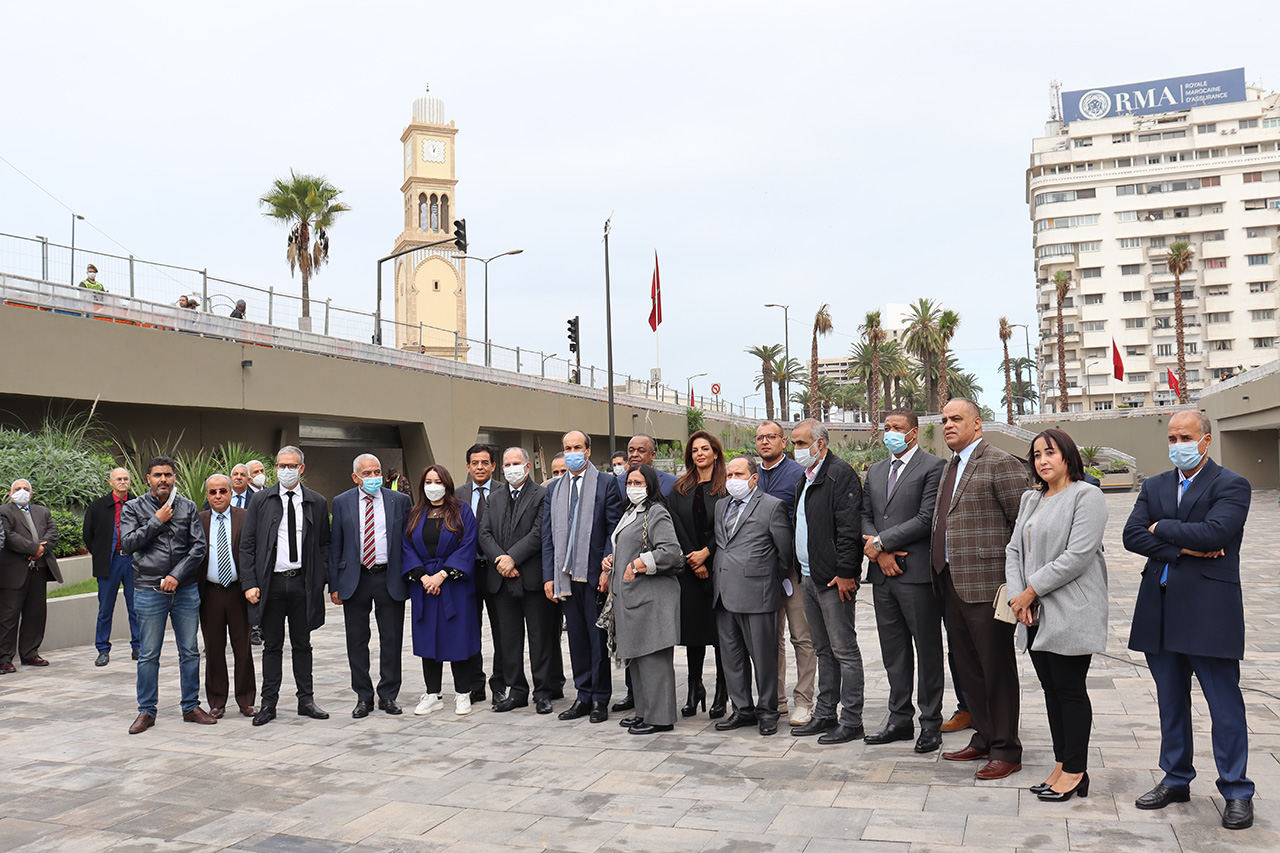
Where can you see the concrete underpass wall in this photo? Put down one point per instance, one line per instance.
(1146, 438)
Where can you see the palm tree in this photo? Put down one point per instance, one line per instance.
(821, 326)
(894, 368)
(875, 336)
(911, 395)
(1026, 390)
(790, 374)
(768, 355)
(1006, 332)
(307, 203)
(924, 342)
(948, 322)
(1061, 283)
(1180, 255)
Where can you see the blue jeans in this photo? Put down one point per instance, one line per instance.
(121, 574)
(154, 608)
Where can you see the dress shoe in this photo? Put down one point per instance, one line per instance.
(247, 710)
(647, 729)
(843, 734)
(997, 769)
(265, 715)
(966, 754)
(626, 703)
(599, 712)
(628, 722)
(103, 659)
(1081, 789)
(477, 695)
(542, 706)
(135, 654)
(801, 715)
(737, 720)
(576, 710)
(35, 660)
(255, 636)
(1039, 788)
(140, 725)
(1161, 795)
(815, 726)
(928, 742)
(308, 708)
(1238, 814)
(768, 727)
(199, 715)
(218, 713)
(889, 734)
(506, 703)
(959, 721)
(361, 710)
(390, 706)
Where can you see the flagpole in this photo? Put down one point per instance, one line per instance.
(608, 330)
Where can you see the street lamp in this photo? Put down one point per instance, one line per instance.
(1026, 337)
(74, 217)
(689, 385)
(377, 308)
(1089, 384)
(786, 365)
(485, 261)
(545, 358)
(744, 402)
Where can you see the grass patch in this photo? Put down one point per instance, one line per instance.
(60, 590)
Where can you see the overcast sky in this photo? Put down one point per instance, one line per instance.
(800, 152)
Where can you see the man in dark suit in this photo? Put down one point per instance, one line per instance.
(475, 493)
(241, 490)
(976, 508)
(754, 552)
(27, 565)
(365, 549)
(1189, 616)
(829, 554)
(284, 560)
(581, 510)
(897, 516)
(511, 539)
(112, 567)
(224, 613)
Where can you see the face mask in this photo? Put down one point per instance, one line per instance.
(371, 485)
(806, 457)
(514, 473)
(93, 276)
(259, 480)
(22, 497)
(895, 442)
(738, 489)
(433, 491)
(619, 470)
(557, 476)
(575, 461)
(288, 477)
(637, 494)
(1185, 455)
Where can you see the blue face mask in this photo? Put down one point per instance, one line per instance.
(895, 442)
(1185, 455)
(575, 461)
(371, 485)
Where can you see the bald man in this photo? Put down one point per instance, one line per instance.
(112, 567)
(27, 565)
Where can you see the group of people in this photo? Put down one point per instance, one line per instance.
(90, 282)
(730, 554)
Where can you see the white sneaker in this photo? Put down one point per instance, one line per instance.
(462, 704)
(801, 715)
(429, 702)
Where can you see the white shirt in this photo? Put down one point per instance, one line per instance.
(904, 458)
(239, 499)
(282, 535)
(964, 460)
(379, 526)
(213, 545)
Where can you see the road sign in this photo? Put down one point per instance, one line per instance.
(715, 389)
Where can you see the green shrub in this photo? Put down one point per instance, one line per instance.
(61, 476)
(190, 469)
(70, 538)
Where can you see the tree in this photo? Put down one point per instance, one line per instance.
(1061, 284)
(923, 340)
(894, 369)
(1006, 332)
(790, 374)
(1025, 391)
(768, 355)
(308, 203)
(875, 336)
(821, 326)
(911, 395)
(948, 322)
(1180, 255)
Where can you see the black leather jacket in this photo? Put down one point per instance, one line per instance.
(175, 547)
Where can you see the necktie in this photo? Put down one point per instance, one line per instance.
(509, 527)
(240, 501)
(735, 511)
(894, 470)
(368, 552)
(573, 521)
(1182, 490)
(293, 529)
(226, 574)
(480, 504)
(939, 556)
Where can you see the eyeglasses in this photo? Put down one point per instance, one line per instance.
(768, 438)
(219, 491)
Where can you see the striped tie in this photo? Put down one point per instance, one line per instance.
(226, 573)
(369, 552)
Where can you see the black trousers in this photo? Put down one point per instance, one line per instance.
(1066, 700)
(433, 674)
(484, 601)
(371, 593)
(22, 616)
(286, 602)
(528, 612)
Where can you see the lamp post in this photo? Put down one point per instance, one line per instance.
(544, 364)
(786, 365)
(689, 385)
(487, 352)
(74, 217)
(744, 402)
(1026, 337)
(1089, 384)
(377, 309)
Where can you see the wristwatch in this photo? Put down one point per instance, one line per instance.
(875, 543)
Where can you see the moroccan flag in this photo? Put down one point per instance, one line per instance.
(1115, 360)
(1173, 383)
(655, 295)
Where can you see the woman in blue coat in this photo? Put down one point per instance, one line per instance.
(439, 559)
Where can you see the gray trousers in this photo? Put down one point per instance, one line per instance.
(653, 686)
(907, 613)
(747, 641)
(791, 617)
(835, 642)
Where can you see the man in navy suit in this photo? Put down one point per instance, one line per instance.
(1189, 616)
(581, 510)
(365, 544)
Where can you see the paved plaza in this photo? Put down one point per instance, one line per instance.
(72, 779)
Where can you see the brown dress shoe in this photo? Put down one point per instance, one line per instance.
(959, 721)
(217, 712)
(199, 715)
(7, 667)
(966, 754)
(997, 769)
(35, 660)
(248, 710)
(144, 722)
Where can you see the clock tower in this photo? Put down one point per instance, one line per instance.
(431, 284)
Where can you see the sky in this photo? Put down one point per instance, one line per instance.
(803, 153)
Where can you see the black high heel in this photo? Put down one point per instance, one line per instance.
(1039, 787)
(697, 693)
(718, 703)
(1081, 789)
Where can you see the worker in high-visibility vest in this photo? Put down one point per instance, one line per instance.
(91, 279)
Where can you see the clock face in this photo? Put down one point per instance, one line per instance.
(432, 151)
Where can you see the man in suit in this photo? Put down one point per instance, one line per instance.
(476, 492)
(581, 510)
(112, 567)
(828, 521)
(511, 539)
(241, 490)
(754, 551)
(1189, 616)
(365, 549)
(257, 482)
(284, 560)
(224, 613)
(897, 517)
(779, 476)
(973, 519)
(27, 565)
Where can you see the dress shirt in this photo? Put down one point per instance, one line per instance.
(282, 535)
(214, 563)
(476, 491)
(239, 500)
(964, 460)
(905, 457)
(802, 518)
(379, 526)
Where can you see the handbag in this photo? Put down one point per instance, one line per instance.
(1003, 612)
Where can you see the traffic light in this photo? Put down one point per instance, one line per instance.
(460, 235)
(573, 334)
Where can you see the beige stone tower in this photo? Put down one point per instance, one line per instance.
(431, 284)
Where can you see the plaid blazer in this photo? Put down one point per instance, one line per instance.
(980, 520)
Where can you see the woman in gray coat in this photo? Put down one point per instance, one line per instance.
(646, 601)
(1056, 580)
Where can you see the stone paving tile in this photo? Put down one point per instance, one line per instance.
(730, 817)
(820, 821)
(1131, 837)
(482, 827)
(974, 801)
(732, 842)
(634, 809)
(891, 825)
(645, 839)
(557, 833)
(1037, 833)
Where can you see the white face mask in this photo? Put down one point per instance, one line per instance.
(259, 480)
(738, 489)
(22, 497)
(93, 276)
(433, 491)
(806, 456)
(515, 474)
(288, 477)
(619, 470)
(637, 494)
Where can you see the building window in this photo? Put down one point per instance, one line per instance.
(1133, 296)
(1131, 269)
(1096, 352)
(1160, 268)
(1255, 232)
(424, 217)
(1260, 286)
(1130, 242)
(435, 286)
(1218, 317)
(1206, 128)
(1218, 290)
(1090, 246)
(1094, 325)
(1258, 260)
(1262, 314)
(1127, 189)
(1127, 216)
(1213, 181)
(1083, 142)
(1264, 343)
(1093, 299)
(1271, 122)
(1191, 348)
(1120, 137)
(1193, 376)
(1164, 349)
(1248, 123)
(1163, 323)
(1091, 272)
(1156, 242)
(1101, 405)
(1248, 149)
(1215, 263)
(1221, 346)
(435, 213)
(444, 212)
(1135, 322)
(1135, 350)
(1212, 236)
(1252, 177)
(1137, 377)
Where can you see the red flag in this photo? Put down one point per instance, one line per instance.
(1173, 383)
(1115, 360)
(655, 295)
